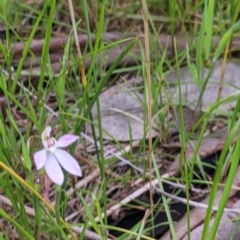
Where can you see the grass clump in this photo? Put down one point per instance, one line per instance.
(56, 61)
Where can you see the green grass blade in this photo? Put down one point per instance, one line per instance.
(217, 177)
(104, 80)
(17, 225)
(225, 39)
(27, 48)
(45, 50)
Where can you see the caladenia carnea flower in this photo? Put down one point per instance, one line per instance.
(52, 157)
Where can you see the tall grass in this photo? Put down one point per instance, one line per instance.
(18, 176)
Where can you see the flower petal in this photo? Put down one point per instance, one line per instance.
(53, 169)
(40, 158)
(46, 133)
(66, 140)
(68, 162)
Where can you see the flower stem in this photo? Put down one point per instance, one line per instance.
(57, 203)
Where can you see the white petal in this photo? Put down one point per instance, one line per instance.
(68, 162)
(66, 140)
(46, 133)
(40, 158)
(53, 169)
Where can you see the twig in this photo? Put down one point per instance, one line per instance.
(129, 198)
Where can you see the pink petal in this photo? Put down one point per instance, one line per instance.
(68, 162)
(53, 169)
(66, 140)
(40, 158)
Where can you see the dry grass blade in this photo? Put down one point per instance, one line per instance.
(149, 99)
(84, 81)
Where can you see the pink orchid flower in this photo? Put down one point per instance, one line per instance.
(52, 157)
